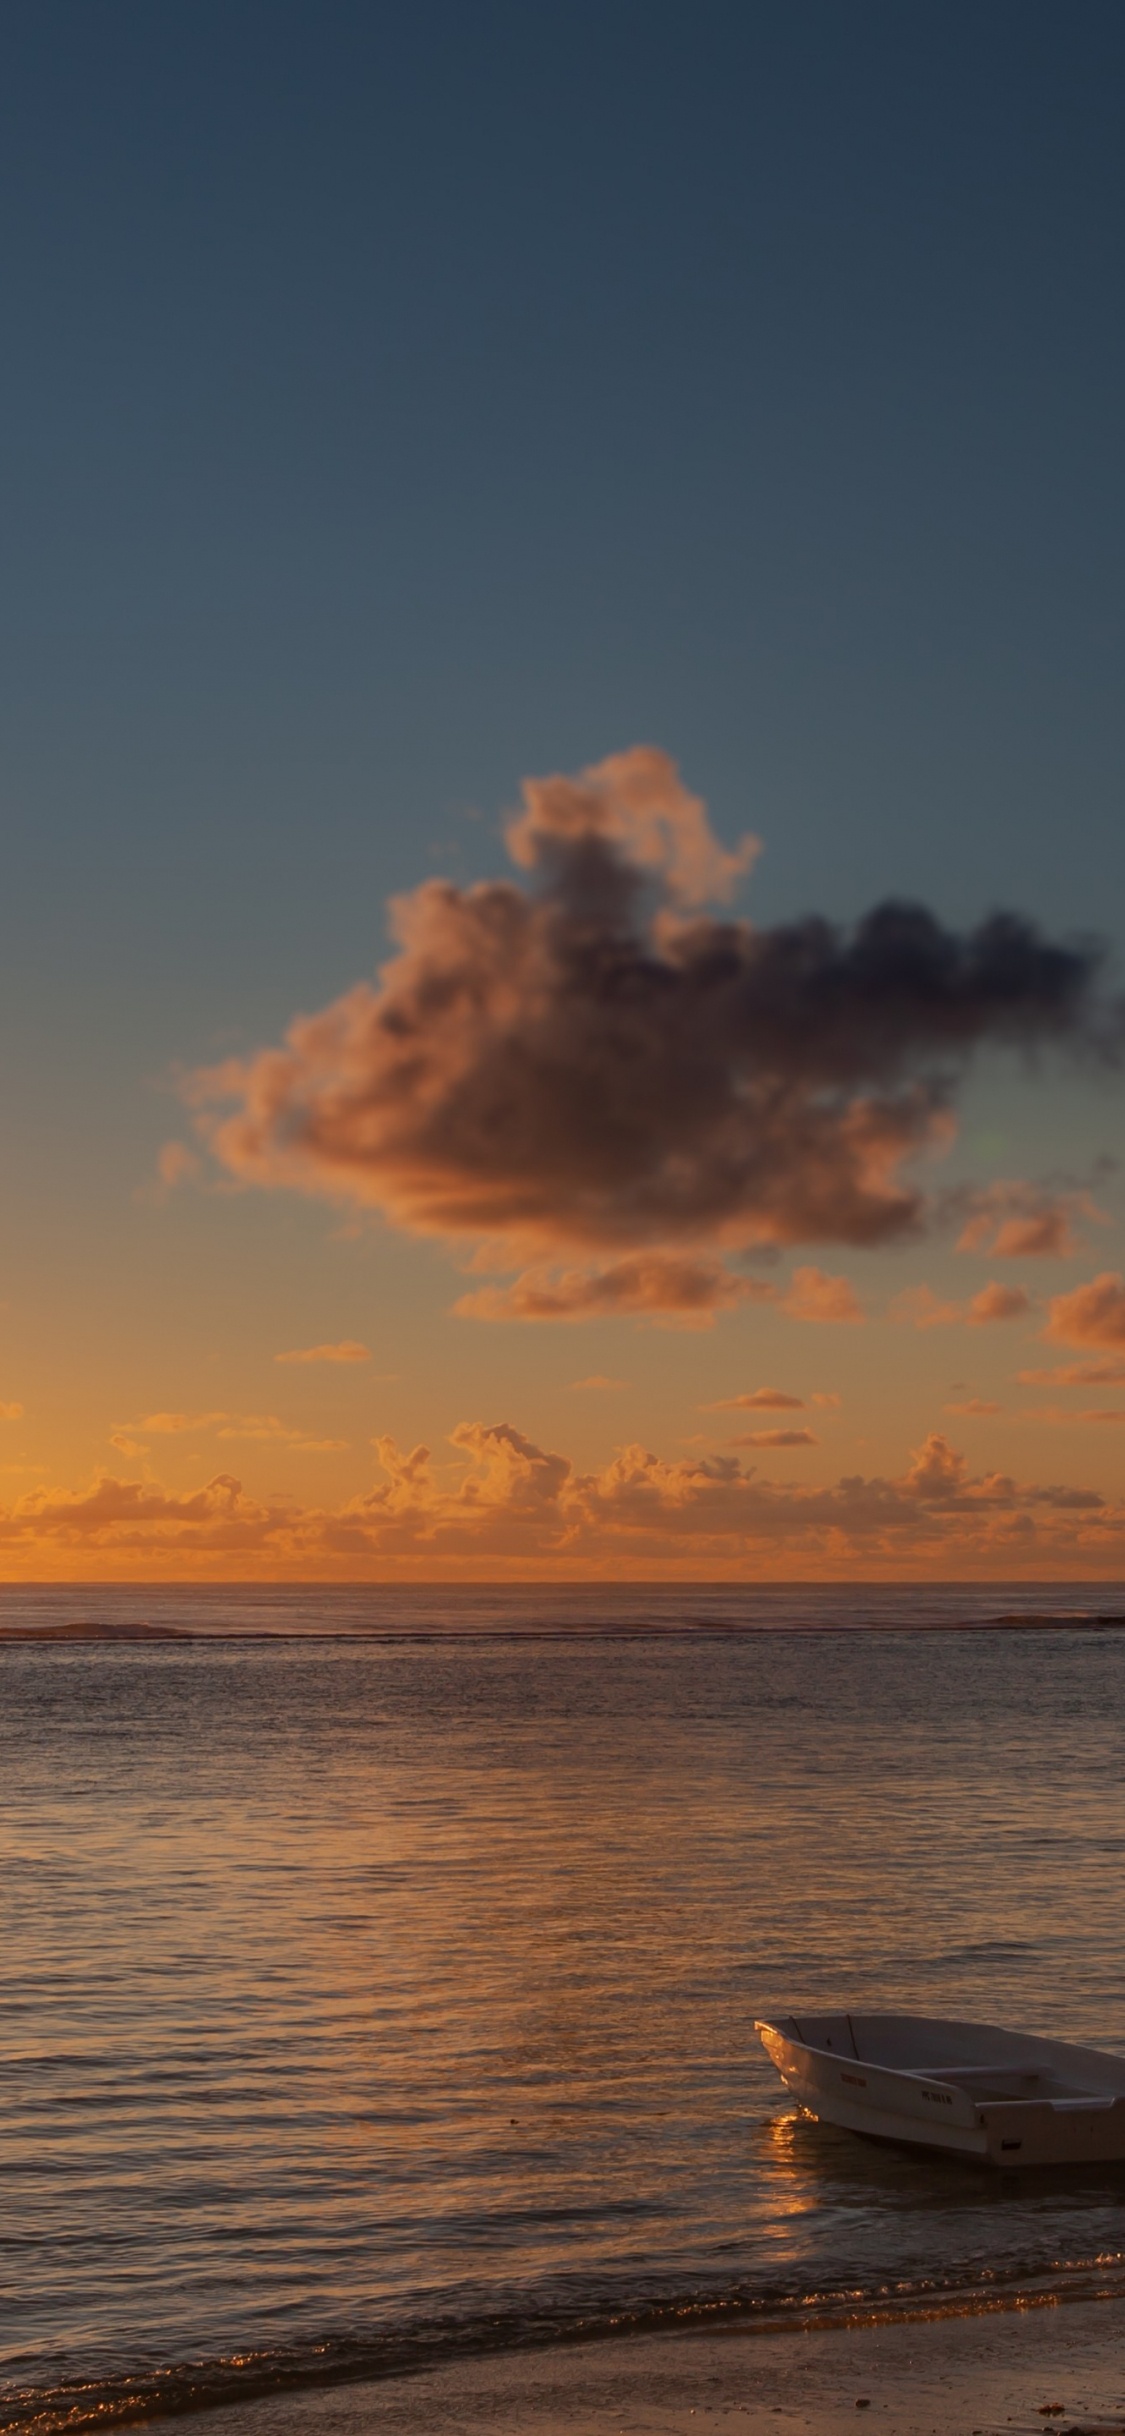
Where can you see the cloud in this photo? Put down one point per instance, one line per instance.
(174, 1165)
(814, 1296)
(975, 1408)
(660, 1285)
(763, 1399)
(1078, 1374)
(583, 1064)
(919, 1307)
(1046, 1237)
(636, 806)
(348, 1350)
(130, 1512)
(1012, 1220)
(496, 1502)
(264, 1427)
(1092, 1315)
(996, 1302)
(1054, 1417)
(11, 1412)
(597, 1382)
(673, 1288)
(777, 1437)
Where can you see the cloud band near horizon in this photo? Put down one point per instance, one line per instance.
(498, 1500)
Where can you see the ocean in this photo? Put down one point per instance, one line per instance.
(380, 1966)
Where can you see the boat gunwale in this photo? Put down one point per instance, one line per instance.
(952, 2073)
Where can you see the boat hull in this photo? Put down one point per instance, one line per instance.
(1000, 2097)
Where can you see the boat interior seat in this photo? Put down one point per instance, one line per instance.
(998, 2082)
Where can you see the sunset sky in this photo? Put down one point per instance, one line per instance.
(564, 741)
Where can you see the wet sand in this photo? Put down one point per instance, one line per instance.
(1060, 2367)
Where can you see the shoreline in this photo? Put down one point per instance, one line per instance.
(1042, 2365)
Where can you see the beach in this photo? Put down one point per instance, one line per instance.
(1051, 2366)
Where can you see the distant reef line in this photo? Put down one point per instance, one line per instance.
(1024, 1620)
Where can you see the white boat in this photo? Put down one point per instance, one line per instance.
(963, 2087)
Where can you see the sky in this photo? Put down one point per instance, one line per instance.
(524, 530)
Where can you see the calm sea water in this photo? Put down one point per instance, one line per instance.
(364, 1997)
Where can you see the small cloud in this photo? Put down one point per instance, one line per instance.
(827, 1403)
(669, 1286)
(763, 1400)
(1046, 1237)
(1077, 1374)
(975, 1408)
(777, 1437)
(176, 1164)
(348, 1350)
(1092, 1315)
(124, 1444)
(266, 1428)
(1018, 1221)
(815, 1296)
(996, 1302)
(11, 1412)
(919, 1307)
(1053, 1418)
(597, 1384)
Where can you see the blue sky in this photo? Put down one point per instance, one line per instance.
(401, 401)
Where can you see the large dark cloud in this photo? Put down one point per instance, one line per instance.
(586, 1062)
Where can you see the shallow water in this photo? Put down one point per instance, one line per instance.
(366, 1998)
